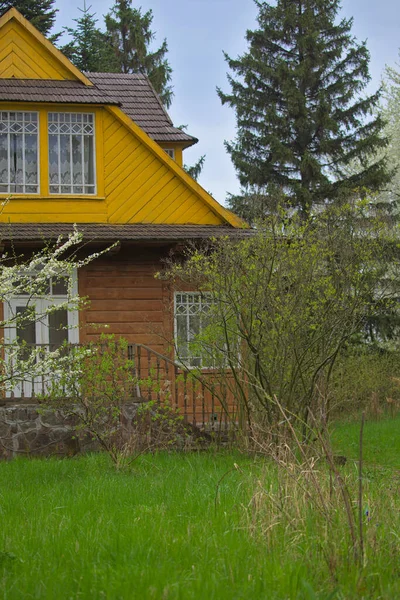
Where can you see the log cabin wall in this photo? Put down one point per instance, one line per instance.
(126, 299)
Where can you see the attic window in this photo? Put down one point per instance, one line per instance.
(170, 152)
(71, 153)
(19, 171)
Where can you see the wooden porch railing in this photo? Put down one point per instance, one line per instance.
(201, 400)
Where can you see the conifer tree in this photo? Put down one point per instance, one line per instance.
(195, 170)
(41, 13)
(301, 116)
(89, 48)
(131, 35)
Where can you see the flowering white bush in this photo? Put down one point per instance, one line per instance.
(28, 277)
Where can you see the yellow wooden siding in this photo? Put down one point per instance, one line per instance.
(136, 181)
(141, 188)
(50, 211)
(23, 56)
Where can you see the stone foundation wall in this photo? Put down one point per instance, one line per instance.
(27, 430)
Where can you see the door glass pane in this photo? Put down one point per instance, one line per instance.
(59, 286)
(58, 332)
(26, 332)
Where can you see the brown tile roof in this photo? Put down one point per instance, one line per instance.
(29, 232)
(141, 103)
(133, 93)
(49, 90)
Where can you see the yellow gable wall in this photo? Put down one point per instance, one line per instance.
(136, 181)
(23, 56)
(140, 188)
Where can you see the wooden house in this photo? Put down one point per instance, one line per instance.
(98, 150)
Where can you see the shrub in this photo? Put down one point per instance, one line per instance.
(100, 395)
(286, 302)
(367, 381)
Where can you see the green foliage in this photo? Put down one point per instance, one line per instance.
(41, 13)
(158, 426)
(196, 169)
(90, 49)
(301, 116)
(366, 379)
(130, 33)
(253, 205)
(103, 398)
(100, 380)
(286, 302)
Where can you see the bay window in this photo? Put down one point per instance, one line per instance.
(71, 153)
(19, 165)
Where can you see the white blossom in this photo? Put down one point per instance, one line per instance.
(28, 276)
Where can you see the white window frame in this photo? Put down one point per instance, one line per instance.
(28, 387)
(43, 302)
(72, 185)
(9, 184)
(189, 359)
(170, 152)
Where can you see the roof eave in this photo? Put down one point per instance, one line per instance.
(184, 143)
(30, 233)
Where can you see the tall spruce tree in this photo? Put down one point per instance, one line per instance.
(41, 13)
(301, 116)
(131, 35)
(89, 49)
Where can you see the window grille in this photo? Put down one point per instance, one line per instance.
(191, 317)
(71, 153)
(19, 167)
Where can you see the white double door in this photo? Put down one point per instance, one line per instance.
(44, 331)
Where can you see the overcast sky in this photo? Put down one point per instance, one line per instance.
(198, 31)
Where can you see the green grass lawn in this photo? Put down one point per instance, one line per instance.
(193, 527)
(381, 441)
